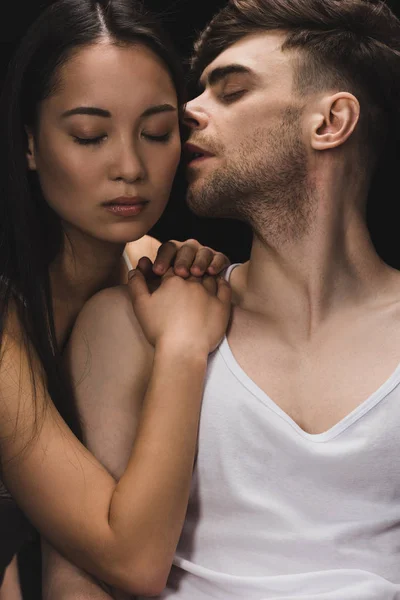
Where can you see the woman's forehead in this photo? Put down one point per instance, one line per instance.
(114, 75)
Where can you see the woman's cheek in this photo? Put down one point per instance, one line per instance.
(176, 154)
(165, 167)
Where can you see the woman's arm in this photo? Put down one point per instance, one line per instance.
(10, 589)
(61, 580)
(113, 530)
(109, 397)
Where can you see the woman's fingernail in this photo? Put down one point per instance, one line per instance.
(131, 274)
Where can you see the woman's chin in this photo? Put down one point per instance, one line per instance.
(124, 235)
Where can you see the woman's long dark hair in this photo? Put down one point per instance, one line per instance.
(30, 232)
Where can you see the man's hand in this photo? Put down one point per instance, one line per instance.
(189, 258)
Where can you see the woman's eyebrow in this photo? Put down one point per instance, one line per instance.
(101, 112)
(160, 108)
(87, 110)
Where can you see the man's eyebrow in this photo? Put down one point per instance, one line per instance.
(219, 73)
(100, 112)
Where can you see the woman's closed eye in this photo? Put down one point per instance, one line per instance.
(163, 138)
(86, 141)
(96, 140)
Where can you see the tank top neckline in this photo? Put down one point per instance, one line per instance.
(373, 400)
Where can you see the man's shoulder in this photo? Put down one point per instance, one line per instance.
(390, 292)
(236, 274)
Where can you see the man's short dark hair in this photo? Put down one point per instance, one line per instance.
(351, 44)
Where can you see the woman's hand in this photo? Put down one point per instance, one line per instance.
(189, 314)
(189, 258)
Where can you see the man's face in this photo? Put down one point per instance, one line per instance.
(248, 121)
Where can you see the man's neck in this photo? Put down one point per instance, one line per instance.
(301, 282)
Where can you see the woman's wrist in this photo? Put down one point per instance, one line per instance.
(185, 352)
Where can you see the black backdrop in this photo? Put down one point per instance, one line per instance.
(184, 19)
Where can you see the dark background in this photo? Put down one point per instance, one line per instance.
(184, 19)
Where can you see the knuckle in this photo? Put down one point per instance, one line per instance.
(206, 252)
(180, 264)
(166, 247)
(192, 243)
(201, 262)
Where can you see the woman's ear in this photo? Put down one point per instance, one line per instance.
(30, 154)
(334, 121)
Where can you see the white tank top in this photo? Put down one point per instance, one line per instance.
(127, 260)
(277, 513)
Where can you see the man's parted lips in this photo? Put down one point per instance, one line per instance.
(193, 152)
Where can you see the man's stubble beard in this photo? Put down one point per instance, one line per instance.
(265, 185)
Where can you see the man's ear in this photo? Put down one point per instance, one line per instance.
(334, 120)
(30, 154)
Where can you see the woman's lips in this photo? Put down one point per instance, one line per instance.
(126, 206)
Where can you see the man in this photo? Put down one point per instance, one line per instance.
(296, 483)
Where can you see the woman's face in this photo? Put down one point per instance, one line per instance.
(108, 144)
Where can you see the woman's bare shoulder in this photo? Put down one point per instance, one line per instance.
(108, 335)
(109, 362)
(110, 313)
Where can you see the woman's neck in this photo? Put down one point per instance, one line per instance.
(84, 267)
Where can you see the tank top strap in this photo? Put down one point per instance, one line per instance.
(127, 260)
(229, 270)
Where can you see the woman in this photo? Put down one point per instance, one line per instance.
(92, 142)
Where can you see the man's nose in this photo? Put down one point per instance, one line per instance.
(194, 116)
